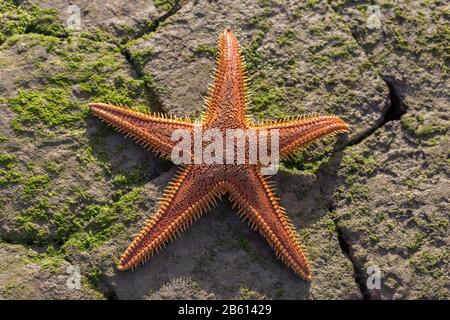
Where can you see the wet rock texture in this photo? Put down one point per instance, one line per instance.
(73, 192)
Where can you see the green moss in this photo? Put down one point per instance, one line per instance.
(3, 138)
(40, 211)
(206, 50)
(97, 70)
(8, 173)
(32, 233)
(163, 5)
(309, 161)
(95, 276)
(330, 223)
(50, 260)
(356, 163)
(319, 60)
(99, 158)
(365, 66)
(51, 107)
(9, 177)
(80, 222)
(311, 250)
(416, 243)
(400, 40)
(6, 159)
(253, 57)
(14, 20)
(287, 38)
(81, 70)
(341, 47)
(45, 21)
(88, 287)
(140, 56)
(13, 289)
(34, 185)
(96, 223)
(248, 294)
(125, 205)
(410, 180)
(418, 18)
(420, 127)
(103, 79)
(137, 176)
(261, 22)
(267, 100)
(312, 3)
(151, 83)
(28, 19)
(374, 239)
(53, 167)
(357, 192)
(429, 263)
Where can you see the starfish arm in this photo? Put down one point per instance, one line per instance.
(154, 132)
(257, 202)
(227, 99)
(185, 200)
(297, 134)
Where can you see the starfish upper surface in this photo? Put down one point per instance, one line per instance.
(197, 186)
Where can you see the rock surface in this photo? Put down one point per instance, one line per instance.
(110, 20)
(26, 274)
(73, 192)
(397, 217)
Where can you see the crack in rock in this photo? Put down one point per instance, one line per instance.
(395, 110)
(154, 25)
(358, 273)
(397, 107)
(155, 102)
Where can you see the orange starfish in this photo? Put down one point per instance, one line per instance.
(197, 186)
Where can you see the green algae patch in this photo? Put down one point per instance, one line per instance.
(423, 128)
(430, 262)
(81, 70)
(14, 20)
(48, 211)
(206, 50)
(34, 185)
(137, 176)
(80, 222)
(51, 107)
(6, 159)
(97, 223)
(356, 167)
(9, 174)
(28, 19)
(164, 5)
(45, 21)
